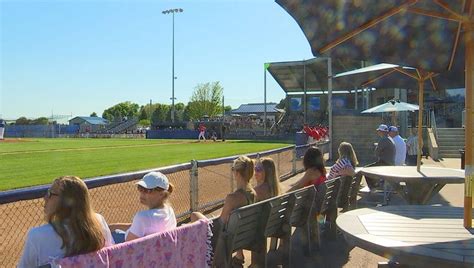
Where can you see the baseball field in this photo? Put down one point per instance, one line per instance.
(28, 162)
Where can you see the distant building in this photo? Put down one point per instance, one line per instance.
(257, 110)
(89, 124)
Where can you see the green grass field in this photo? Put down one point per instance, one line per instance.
(39, 161)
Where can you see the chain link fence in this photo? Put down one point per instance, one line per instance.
(199, 186)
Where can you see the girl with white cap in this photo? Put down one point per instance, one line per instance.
(154, 189)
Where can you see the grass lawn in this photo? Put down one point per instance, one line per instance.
(39, 161)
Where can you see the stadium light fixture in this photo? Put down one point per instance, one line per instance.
(173, 77)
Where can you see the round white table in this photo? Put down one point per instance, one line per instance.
(420, 236)
(415, 187)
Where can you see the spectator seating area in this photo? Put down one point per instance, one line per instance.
(250, 227)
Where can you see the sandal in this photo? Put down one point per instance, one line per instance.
(237, 263)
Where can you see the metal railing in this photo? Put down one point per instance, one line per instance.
(433, 124)
(199, 186)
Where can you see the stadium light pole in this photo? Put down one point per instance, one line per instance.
(172, 12)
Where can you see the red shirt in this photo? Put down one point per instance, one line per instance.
(318, 181)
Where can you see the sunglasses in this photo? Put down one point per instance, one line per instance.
(49, 193)
(258, 168)
(147, 191)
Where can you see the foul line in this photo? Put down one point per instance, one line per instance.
(94, 148)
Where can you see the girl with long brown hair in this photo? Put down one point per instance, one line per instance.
(73, 227)
(268, 183)
(315, 172)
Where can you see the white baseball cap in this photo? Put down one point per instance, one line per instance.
(393, 129)
(382, 127)
(153, 180)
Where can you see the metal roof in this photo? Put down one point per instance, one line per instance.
(93, 120)
(253, 108)
(291, 75)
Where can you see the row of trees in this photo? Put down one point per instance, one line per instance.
(25, 121)
(206, 100)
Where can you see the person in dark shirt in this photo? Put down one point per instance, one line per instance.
(223, 130)
(384, 151)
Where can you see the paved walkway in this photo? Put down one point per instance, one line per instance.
(339, 254)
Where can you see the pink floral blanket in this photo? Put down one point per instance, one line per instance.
(186, 246)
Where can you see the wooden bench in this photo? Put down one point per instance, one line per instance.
(343, 195)
(353, 191)
(301, 216)
(286, 211)
(327, 212)
(242, 231)
(250, 226)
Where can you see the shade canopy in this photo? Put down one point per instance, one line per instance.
(396, 76)
(311, 75)
(394, 31)
(428, 35)
(392, 106)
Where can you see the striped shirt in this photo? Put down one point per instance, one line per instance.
(338, 167)
(412, 145)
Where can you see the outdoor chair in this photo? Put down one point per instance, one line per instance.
(242, 231)
(276, 226)
(353, 191)
(343, 194)
(301, 214)
(327, 213)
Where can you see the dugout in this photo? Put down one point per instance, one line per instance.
(309, 87)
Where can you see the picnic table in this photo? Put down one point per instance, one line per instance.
(413, 186)
(418, 236)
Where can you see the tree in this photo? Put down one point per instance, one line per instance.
(22, 121)
(40, 121)
(143, 114)
(93, 114)
(121, 110)
(160, 114)
(206, 100)
(144, 123)
(178, 112)
(227, 108)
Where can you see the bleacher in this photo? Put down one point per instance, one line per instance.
(121, 127)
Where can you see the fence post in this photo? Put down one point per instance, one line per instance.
(232, 186)
(193, 186)
(278, 163)
(293, 168)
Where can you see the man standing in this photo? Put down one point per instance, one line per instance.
(385, 153)
(385, 150)
(400, 146)
(223, 130)
(202, 132)
(412, 148)
(2, 128)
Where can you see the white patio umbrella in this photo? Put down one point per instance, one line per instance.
(392, 106)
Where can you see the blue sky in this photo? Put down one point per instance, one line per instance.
(77, 57)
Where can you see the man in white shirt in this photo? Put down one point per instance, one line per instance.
(2, 128)
(412, 148)
(400, 146)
